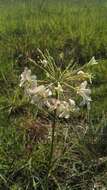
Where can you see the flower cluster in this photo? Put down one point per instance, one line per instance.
(52, 95)
(63, 108)
(31, 88)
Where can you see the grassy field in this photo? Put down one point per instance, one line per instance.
(71, 30)
(76, 30)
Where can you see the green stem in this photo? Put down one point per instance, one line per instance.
(52, 142)
(51, 148)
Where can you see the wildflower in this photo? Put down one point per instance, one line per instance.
(63, 110)
(44, 62)
(93, 61)
(39, 96)
(72, 103)
(41, 91)
(59, 88)
(48, 92)
(25, 76)
(80, 73)
(61, 107)
(37, 90)
(52, 104)
(31, 87)
(85, 93)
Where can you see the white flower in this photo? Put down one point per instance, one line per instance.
(93, 61)
(63, 110)
(59, 88)
(25, 76)
(73, 106)
(52, 104)
(36, 90)
(80, 73)
(40, 91)
(48, 92)
(85, 93)
(72, 103)
(44, 62)
(61, 107)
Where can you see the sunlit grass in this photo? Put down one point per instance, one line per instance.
(71, 32)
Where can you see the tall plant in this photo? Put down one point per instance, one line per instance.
(59, 93)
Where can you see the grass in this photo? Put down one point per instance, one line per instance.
(52, 28)
(77, 31)
(70, 31)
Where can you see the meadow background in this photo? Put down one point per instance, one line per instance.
(71, 30)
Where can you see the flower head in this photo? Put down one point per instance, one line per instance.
(63, 110)
(37, 90)
(85, 94)
(38, 93)
(25, 76)
(44, 62)
(32, 91)
(52, 104)
(72, 103)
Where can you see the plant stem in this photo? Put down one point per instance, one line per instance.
(52, 147)
(52, 143)
(52, 140)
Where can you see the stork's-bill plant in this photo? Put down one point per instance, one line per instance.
(59, 90)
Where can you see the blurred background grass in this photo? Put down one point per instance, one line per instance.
(75, 29)
(71, 30)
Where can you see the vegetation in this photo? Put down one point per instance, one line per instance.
(73, 32)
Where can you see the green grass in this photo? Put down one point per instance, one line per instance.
(25, 27)
(77, 31)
